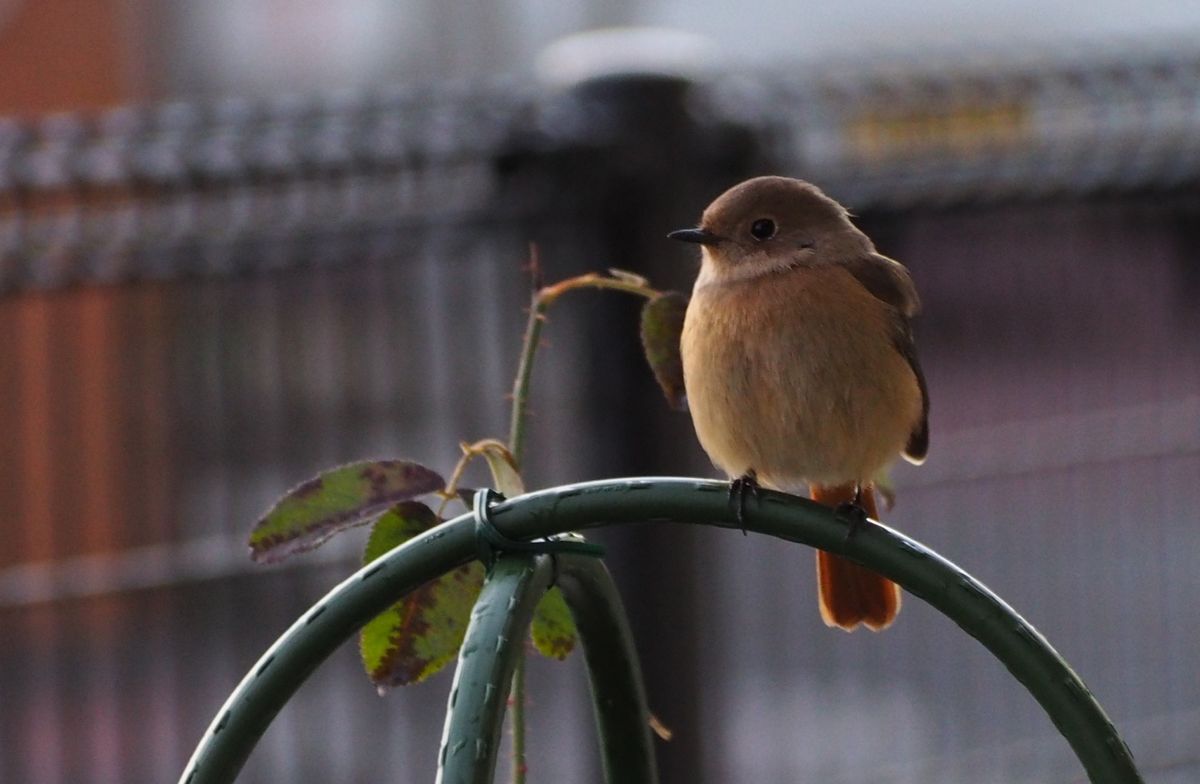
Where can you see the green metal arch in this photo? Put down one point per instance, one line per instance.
(614, 672)
(335, 618)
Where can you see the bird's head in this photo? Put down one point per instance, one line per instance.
(771, 224)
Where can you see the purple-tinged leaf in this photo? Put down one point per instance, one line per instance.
(337, 499)
(420, 634)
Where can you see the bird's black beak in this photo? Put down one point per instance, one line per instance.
(698, 236)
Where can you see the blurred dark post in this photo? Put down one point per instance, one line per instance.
(643, 157)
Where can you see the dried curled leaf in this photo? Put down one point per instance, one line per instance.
(629, 277)
(503, 465)
(418, 635)
(337, 499)
(662, 326)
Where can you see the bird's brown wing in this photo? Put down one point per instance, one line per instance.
(889, 282)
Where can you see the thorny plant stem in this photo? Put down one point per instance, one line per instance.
(631, 284)
(543, 298)
(520, 392)
(516, 446)
(519, 765)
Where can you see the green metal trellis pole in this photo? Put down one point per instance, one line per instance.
(333, 620)
(499, 626)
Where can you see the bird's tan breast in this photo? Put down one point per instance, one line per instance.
(796, 376)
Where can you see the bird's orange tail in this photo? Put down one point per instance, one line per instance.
(850, 594)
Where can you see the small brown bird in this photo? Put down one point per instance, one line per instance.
(799, 364)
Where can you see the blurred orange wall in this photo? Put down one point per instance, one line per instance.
(64, 352)
(67, 55)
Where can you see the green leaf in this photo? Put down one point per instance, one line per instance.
(396, 526)
(553, 628)
(420, 634)
(662, 326)
(337, 499)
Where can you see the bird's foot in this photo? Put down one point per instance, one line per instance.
(852, 513)
(745, 484)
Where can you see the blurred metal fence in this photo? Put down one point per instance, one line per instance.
(186, 189)
(945, 131)
(194, 188)
(305, 282)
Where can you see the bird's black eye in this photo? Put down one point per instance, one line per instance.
(762, 229)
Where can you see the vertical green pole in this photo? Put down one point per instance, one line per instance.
(498, 628)
(494, 640)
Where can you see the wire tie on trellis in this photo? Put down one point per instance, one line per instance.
(489, 542)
